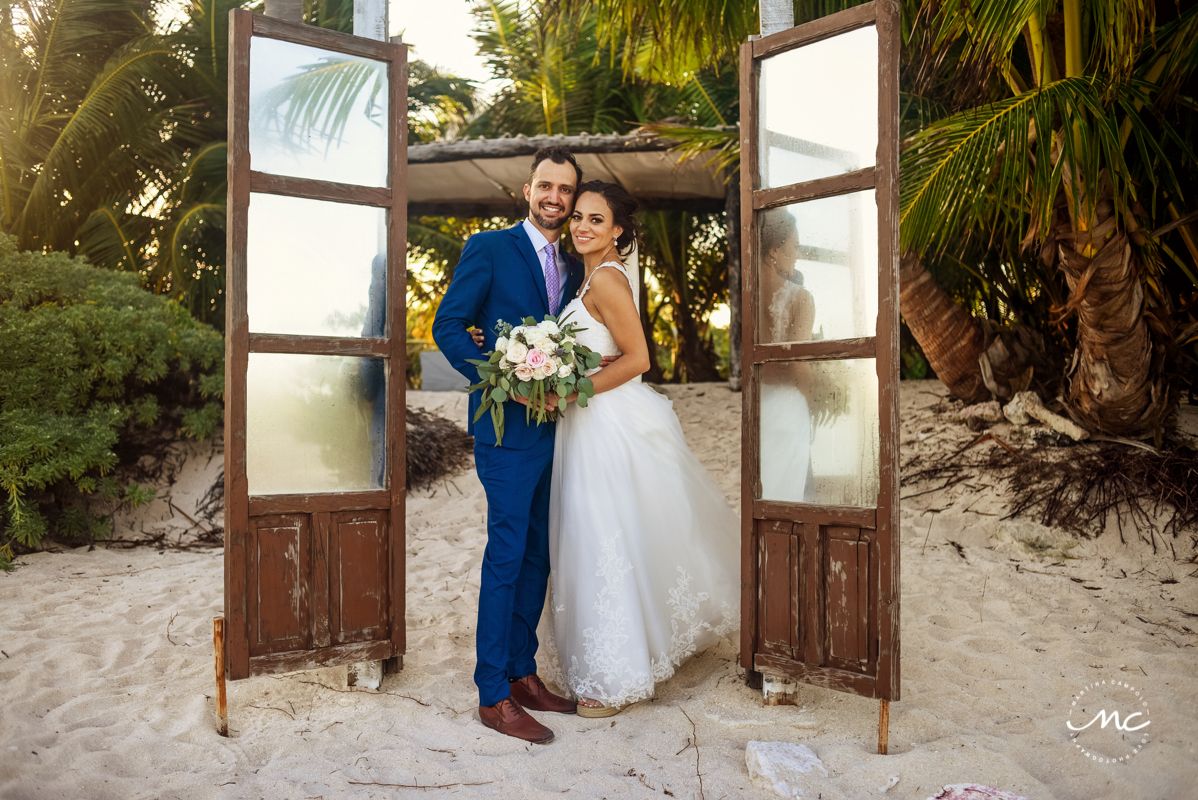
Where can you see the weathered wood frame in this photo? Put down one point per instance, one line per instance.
(240, 506)
(878, 527)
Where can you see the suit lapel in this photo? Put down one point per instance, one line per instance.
(524, 245)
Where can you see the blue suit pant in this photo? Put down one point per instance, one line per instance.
(515, 573)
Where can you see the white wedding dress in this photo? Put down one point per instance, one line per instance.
(644, 549)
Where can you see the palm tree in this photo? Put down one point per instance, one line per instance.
(1048, 140)
(1068, 134)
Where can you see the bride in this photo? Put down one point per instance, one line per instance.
(643, 544)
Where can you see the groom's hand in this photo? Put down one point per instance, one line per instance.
(608, 361)
(547, 404)
(477, 335)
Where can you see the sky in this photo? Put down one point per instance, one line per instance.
(438, 31)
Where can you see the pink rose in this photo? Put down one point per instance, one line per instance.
(535, 358)
(524, 372)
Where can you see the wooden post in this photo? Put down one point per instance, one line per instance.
(732, 209)
(776, 15)
(883, 726)
(218, 650)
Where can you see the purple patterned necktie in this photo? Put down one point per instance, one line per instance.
(552, 282)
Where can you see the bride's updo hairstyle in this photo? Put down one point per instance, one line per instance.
(623, 206)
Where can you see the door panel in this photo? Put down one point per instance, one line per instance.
(819, 227)
(359, 600)
(279, 571)
(315, 348)
(779, 578)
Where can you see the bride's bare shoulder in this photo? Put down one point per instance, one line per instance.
(610, 286)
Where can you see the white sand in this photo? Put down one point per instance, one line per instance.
(99, 702)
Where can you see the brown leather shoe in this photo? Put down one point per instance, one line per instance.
(532, 693)
(510, 719)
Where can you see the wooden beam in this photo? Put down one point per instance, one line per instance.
(851, 516)
(732, 227)
(373, 500)
(470, 208)
(509, 147)
(320, 190)
(817, 30)
(319, 345)
(776, 16)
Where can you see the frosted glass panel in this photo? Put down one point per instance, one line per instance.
(819, 432)
(819, 270)
(315, 268)
(317, 114)
(819, 109)
(315, 423)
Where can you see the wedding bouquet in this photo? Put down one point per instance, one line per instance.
(540, 361)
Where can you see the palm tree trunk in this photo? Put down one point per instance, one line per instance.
(952, 340)
(1116, 380)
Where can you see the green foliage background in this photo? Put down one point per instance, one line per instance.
(87, 360)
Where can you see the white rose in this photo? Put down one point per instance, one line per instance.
(564, 371)
(501, 344)
(553, 364)
(524, 372)
(516, 353)
(550, 327)
(539, 374)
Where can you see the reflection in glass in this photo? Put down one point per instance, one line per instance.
(317, 114)
(315, 423)
(819, 270)
(819, 109)
(819, 432)
(315, 267)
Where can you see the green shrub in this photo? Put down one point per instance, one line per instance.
(89, 363)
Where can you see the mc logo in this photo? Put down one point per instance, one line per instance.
(1129, 714)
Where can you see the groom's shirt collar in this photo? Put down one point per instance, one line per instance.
(539, 243)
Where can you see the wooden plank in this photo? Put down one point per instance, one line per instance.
(856, 181)
(299, 660)
(218, 652)
(810, 32)
(750, 487)
(887, 194)
(796, 592)
(841, 586)
(320, 580)
(822, 350)
(237, 515)
(775, 623)
(864, 578)
(838, 679)
(319, 345)
(278, 597)
(813, 578)
(851, 516)
(359, 599)
(323, 38)
(313, 189)
(397, 364)
(516, 146)
(312, 503)
(519, 209)
(732, 224)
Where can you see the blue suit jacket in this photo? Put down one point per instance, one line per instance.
(497, 278)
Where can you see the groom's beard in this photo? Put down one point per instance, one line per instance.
(549, 225)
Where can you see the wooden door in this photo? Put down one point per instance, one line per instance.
(819, 238)
(315, 348)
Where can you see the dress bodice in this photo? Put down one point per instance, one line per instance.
(597, 336)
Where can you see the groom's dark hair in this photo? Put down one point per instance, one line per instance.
(558, 155)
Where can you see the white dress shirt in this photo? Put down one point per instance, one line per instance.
(539, 243)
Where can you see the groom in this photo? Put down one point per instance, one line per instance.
(509, 275)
